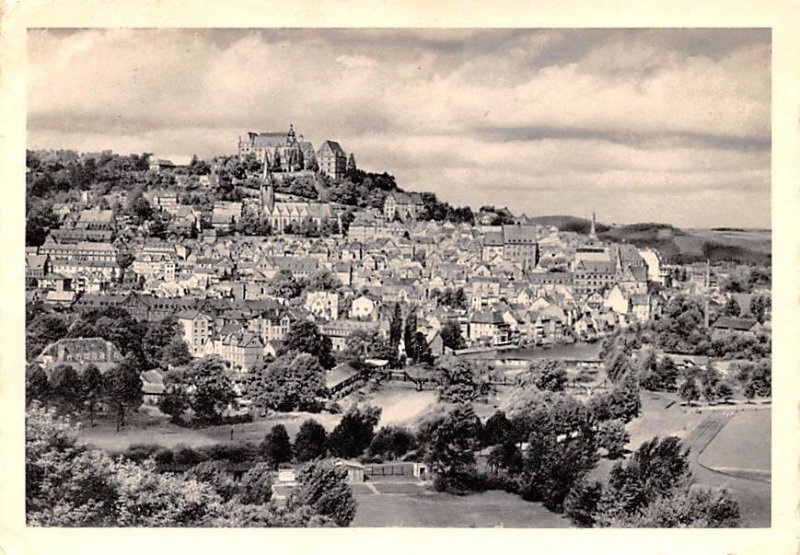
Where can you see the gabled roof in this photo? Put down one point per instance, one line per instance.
(738, 324)
(330, 148)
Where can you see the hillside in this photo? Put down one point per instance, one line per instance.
(568, 223)
(691, 245)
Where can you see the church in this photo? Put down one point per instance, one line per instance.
(282, 214)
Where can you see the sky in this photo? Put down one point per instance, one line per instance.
(663, 125)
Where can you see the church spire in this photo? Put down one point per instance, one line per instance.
(593, 231)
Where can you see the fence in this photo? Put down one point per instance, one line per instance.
(391, 469)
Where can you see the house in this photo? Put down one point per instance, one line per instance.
(80, 352)
(340, 378)
(152, 386)
(726, 325)
(197, 330)
(339, 330)
(322, 304)
(242, 350)
(490, 327)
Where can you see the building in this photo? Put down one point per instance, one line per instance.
(225, 214)
(339, 330)
(80, 352)
(282, 152)
(323, 304)
(283, 216)
(520, 245)
(243, 350)
(332, 160)
(402, 205)
(489, 326)
(197, 330)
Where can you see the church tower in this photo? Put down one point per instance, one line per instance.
(593, 231)
(267, 194)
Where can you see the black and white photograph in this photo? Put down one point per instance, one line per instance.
(398, 277)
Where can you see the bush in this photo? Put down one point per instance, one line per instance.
(183, 454)
(237, 452)
(138, 452)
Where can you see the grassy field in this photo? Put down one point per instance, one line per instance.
(401, 405)
(743, 444)
(143, 429)
(484, 510)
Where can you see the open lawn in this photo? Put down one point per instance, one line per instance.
(488, 509)
(159, 431)
(742, 445)
(401, 405)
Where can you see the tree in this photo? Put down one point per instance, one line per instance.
(323, 488)
(689, 391)
(176, 353)
(497, 429)
(392, 442)
(655, 469)
(619, 366)
(209, 390)
(305, 337)
(39, 221)
(562, 450)
(409, 333)
(549, 375)
(623, 402)
(507, 456)
(36, 383)
(255, 488)
(354, 432)
(396, 329)
(123, 388)
(214, 473)
(691, 507)
(450, 451)
(581, 503)
(310, 442)
(323, 280)
(613, 437)
(276, 446)
(65, 386)
(732, 308)
(147, 497)
(290, 382)
(65, 483)
(43, 330)
(760, 305)
(460, 382)
(451, 336)
(174, 402)
(283, 285)
(92, 384)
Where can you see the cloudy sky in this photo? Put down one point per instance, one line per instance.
(638, 125)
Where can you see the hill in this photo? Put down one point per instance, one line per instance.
(694, 245)
(568, 223)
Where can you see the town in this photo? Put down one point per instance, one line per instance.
(209, 317)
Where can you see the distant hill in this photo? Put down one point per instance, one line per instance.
(691, 245)
(568, 223)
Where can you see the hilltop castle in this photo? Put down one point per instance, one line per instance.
(290, 153)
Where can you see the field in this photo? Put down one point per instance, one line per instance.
(486, 510)
(160, 431)
(742, 446)
(400, 405)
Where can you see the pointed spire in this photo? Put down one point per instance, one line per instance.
(593, 231)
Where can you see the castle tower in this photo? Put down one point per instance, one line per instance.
(290, 136)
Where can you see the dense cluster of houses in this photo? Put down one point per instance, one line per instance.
(513, 284)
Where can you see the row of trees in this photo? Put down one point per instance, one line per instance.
(120, 389)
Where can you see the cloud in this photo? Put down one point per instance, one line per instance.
(470, 114)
